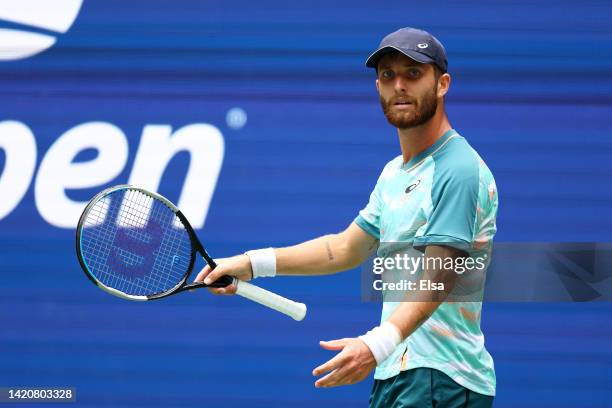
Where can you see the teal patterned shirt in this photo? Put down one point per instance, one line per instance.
(451, 201)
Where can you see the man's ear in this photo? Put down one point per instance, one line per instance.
(377, 85)
(443, 85)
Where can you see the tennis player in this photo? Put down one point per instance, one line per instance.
(439, 197)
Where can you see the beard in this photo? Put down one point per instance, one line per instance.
(423, 110)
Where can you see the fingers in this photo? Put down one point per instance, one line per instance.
(203, 273)
(335, 378)
(329, 365)
(214, 275)
(327, 380)
(237, 266)
(333, 344)
(228, 290)
(345, 373)
(206, 272)
(349, 366)
(208, 275)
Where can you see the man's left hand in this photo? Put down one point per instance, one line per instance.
(351, 365)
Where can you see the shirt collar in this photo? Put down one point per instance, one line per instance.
(413, 162)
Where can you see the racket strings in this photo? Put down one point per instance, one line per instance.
(135, 243)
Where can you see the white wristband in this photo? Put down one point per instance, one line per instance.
(382, 340)
(263, 262)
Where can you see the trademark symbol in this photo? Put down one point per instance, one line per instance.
(236, 118)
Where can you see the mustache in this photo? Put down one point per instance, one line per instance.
(400, 99)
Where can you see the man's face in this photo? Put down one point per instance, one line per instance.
(408, 90)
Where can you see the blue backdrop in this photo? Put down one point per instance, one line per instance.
(531, 91)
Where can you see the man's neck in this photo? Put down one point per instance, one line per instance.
(417, 139)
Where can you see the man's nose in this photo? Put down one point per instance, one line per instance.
(400, 84)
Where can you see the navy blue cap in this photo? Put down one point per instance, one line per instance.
(414, 43)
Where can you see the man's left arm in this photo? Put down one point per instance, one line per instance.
(359, 355)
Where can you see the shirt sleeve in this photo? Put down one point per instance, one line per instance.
(369, 218)
(454, 198)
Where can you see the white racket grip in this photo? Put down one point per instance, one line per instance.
(264, 297)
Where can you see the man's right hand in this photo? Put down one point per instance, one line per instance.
(238, 266)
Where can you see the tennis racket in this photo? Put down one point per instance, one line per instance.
(137, 245)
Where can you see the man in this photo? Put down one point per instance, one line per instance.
(438, 197)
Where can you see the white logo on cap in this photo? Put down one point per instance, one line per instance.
(55, 16)
(423, 45)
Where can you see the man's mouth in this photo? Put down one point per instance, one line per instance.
(402, 103)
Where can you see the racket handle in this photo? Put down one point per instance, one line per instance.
(264, 297)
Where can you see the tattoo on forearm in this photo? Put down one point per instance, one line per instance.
(330, 254)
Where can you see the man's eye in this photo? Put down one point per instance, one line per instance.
(387, 74)
(414, 73)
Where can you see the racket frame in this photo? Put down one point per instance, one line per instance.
(196, 246)
(295, 310)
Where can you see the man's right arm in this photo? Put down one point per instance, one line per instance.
(321, 256)
(327, 254)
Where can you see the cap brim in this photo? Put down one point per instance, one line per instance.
(372, 61)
